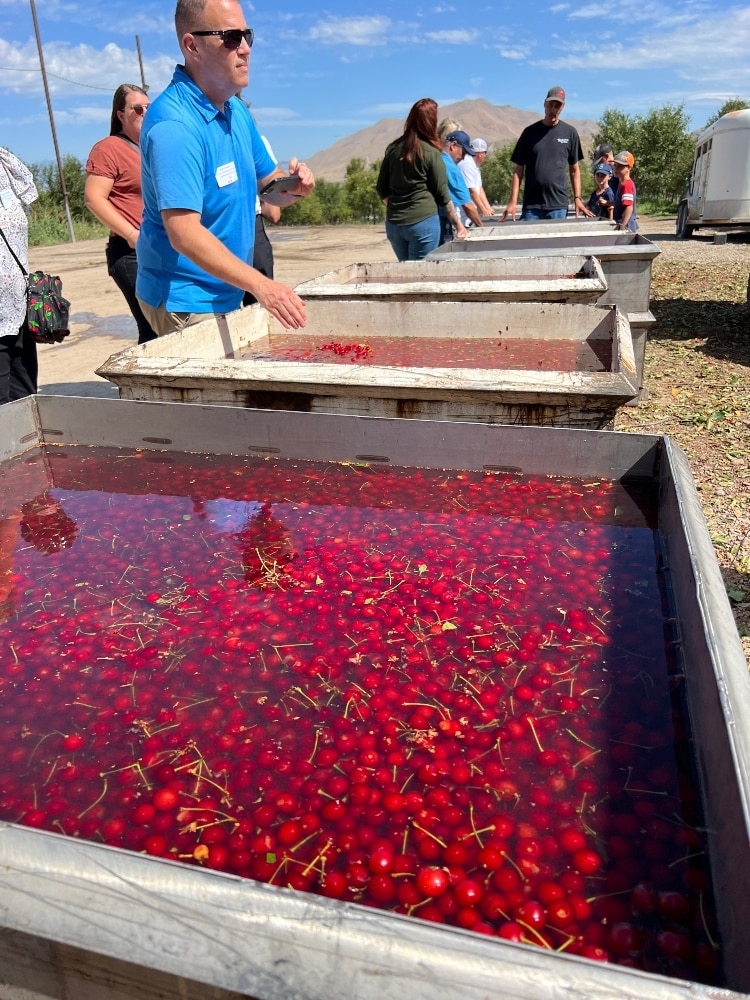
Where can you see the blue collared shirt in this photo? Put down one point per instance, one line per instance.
(456, 184)
(198, 158)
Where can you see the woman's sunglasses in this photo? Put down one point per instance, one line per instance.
(140, 109)
(232, 38)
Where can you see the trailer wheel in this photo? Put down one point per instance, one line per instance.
(684, 231)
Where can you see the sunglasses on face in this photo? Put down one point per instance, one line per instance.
(231, 38)
(140, 109)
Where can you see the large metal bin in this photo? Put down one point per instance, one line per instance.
(545, 227)
(201, 364)
(626, 260)
(573, 278)
(86, 921)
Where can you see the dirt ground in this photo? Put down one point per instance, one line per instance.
(696, 362)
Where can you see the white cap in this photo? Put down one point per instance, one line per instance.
(479, 145)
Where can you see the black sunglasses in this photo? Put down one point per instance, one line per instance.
(232, 38)
(140, 109)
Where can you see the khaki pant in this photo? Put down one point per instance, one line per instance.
(163, 322)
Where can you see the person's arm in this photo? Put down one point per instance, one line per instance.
(626, 213)
(515, 187)
(627, 200)
(476, 198)
(471, 210)
(455, 219)
(96, 194)
(306, 179)
(270, 212)
(189, 236)
(575, 183)
(483, 204)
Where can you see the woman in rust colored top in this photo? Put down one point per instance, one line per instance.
(113, 193)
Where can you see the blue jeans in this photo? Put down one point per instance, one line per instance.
(416, 241)
(534, 214)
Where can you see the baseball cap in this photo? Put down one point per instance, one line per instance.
(555, 94)
(479, 145)
(603, 168)
(625, 159)
(463, 141)
(602, 150)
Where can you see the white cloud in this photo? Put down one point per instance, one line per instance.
(519, 53)
(72, 70)
(352, 31)
(712, 51)
(460, 36)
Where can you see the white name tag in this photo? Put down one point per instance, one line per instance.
(226, 174)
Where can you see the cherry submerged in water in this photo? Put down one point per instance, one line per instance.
(449, 694)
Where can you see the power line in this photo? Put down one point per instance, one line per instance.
(89, 86)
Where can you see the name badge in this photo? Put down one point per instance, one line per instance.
(226, 174)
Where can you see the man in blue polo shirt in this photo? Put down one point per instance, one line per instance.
(455, 147)
(203, 161)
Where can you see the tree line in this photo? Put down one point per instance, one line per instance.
(661, 142)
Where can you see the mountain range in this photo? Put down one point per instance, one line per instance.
(498, 124)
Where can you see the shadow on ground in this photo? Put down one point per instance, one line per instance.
(724, 325)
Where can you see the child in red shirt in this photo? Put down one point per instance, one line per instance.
(625, 215)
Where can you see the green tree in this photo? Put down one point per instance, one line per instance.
(361, 193)
(733, 104)
(304, 212)
(332, 197)
(47, 179)
(497, 171)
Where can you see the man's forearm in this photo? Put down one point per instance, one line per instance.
(189, 236)
(471, 210)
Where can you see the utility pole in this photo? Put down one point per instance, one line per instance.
(63, 188)
(140, 63)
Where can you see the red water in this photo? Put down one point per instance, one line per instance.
(501, 352)
(451, 694)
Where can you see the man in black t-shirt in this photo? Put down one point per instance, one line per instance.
(546, 154)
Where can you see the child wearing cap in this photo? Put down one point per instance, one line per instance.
(601, 201)
(625, 215)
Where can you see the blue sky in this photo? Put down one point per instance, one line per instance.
(320, 73)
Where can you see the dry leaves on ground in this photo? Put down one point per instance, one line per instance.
(698, 376)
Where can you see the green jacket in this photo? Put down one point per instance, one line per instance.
(414, 190)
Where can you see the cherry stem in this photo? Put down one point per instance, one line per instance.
(714, 944)
(473, 826)
(641, 791)
(534, 734)
(510, 861)
(432, 835)
(103, 793)
(536, 934)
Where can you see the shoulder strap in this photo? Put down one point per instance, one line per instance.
(24, 272)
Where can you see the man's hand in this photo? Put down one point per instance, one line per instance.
(282, 303)
(509, 213)
(306, 178)
(461, 233)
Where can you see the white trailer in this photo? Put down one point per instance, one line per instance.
(718, 190)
